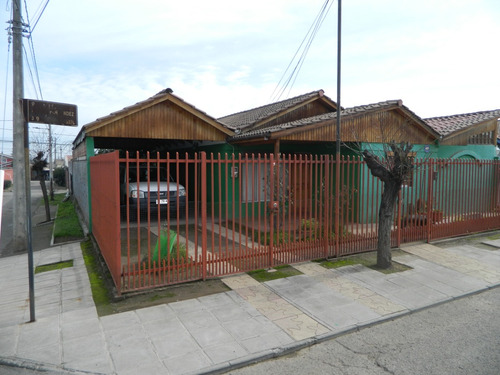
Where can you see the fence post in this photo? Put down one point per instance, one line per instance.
(430, 176)
(271, 210)
(204, 213)
(326, 205)
(398, 221)
(337, 204)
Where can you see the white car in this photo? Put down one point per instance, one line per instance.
(150, 189)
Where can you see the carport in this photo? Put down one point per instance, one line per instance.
(163, 123)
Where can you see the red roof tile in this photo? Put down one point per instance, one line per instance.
(345, 113)
(449, 124)
(242, 120)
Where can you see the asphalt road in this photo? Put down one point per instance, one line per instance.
(459, 337)
(37, 214)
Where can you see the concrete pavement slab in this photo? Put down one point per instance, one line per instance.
(449, 258)
(487, 256)
(288, 317)
(322, 303)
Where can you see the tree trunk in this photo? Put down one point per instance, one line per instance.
(385, 219)
(45, 197)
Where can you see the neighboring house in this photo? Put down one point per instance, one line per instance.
(361, 127)
(467, 136)
(5, 161)
(6, 165)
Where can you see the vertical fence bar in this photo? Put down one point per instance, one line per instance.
(337, 204)
(271, 211)
(204, 228)
(326, 206)
(430, 177)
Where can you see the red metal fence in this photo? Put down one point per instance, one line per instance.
(166, 220)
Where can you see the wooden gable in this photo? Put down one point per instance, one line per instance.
(161, 117)
(482, 133)
(315, 106)
(377, 123)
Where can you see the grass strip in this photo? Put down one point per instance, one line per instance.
(54, 266)
(66, 224)
(100, 293)
(368, 260)
(275, 273)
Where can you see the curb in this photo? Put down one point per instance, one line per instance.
(28, 364)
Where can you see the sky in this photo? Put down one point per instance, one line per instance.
(224, 56)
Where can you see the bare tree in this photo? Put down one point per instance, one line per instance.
(391, 159)
(39, 163)
(392, 168)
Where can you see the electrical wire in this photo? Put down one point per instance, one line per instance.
(32, 51)
(30, 72)
(308, 39)
(5, 93)
(37, 18)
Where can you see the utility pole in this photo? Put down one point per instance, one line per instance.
(338, 134)
(22, 175)
(19, 136)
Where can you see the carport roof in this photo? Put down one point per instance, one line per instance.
(120, 124)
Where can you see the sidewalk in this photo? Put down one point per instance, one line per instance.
(211, 334)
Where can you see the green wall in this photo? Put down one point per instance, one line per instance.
(486, 152)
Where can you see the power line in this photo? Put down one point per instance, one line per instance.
(308, 39)
(5, 93)
(37, 18)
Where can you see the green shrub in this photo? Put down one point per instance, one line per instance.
(60, 176)
(168, 248)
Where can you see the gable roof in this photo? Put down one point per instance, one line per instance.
(258, 116)
(446, 125)
(328, 119)
(116, 124)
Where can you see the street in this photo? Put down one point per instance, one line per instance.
(37, 213)
(459, 337)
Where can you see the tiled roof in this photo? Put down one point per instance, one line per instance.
(249, 117)
(347, 112)
(449, 124)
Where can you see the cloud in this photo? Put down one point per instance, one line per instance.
(227, 56)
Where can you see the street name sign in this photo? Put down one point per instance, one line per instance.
(43, 112)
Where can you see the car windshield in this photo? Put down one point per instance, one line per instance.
(143, 174)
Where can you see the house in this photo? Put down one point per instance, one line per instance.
(240, 212)
(6, 165)
(302, 125)
(361, 126)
